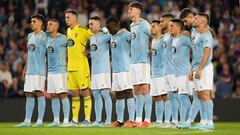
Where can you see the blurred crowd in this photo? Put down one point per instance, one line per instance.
(15, 26)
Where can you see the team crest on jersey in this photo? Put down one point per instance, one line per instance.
(50, 49)
(76, 35)
(31, 47)
(164, 44)
(133, 35)
(93, 47)
(113, 44)
(154, 52)
(70, 43)
(174, 49)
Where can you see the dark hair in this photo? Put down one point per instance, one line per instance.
(39, 17)
(185, 12)
(156, 21)
(136, 5)
(55, 20)
(205, 16)
(112, 19)
(74, 12)
(168, 15)
(179, 22)
(96, 18)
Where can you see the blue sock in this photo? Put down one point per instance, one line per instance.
(108, 104)
(41, 108)
(66, 109)
(30, 102)
(131, 108)
(168, 111)
(185, 104)
(209, 110)
(120, 105)
(98, 105)
(195, 107)
(56, 109)
(139, 107)
(148, 107)
(175, 103)
(203, 112)
(159, 108)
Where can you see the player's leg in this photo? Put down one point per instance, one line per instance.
(98, 105)
(105, 92)
(159, 109)
(41, 100)
(194, 108)
(185, 103)
(55, 104)
(52, 82)
(66, 107)
(30, 101)
(120, 106)
(73, 78)
(87, 106)
(167, 110)
(170, 86)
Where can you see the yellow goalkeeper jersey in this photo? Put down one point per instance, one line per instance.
(77, 39)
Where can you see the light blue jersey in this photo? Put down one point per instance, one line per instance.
(181, 48)
(56, 47)
(120, 47)
(168, 55)
(201, 41)
(140, 33)
(157, 65)
(36, 61)
(99, 50)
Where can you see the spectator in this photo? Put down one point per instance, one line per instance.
(15, 90)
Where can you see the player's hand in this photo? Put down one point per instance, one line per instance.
(85, 53)
(104, 30)
(198, 74)
(190, 75)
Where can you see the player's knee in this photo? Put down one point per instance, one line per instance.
(128, 93)
(62, 95)
(137, 90)
(39, 93)
(75, 93)
(53, 95)
(85, 92)
(29, 94)
(157, 98)
(120, 95)
(165, 97)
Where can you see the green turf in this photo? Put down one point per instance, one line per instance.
(221, 129)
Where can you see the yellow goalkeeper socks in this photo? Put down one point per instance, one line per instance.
(87, 107)
(75, 108)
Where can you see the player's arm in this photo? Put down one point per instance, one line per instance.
(87, 49)
(205, 57)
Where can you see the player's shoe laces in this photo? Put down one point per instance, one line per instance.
(38, 124)
(85, 123)
(24, 124)
(54, 124)
(116, 124)
(144, 124)
(130, 124)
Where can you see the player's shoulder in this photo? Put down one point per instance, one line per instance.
(30, 35)
(143, 21)
(79, 27)
(125, 31)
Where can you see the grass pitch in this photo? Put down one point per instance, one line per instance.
(221, 129)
